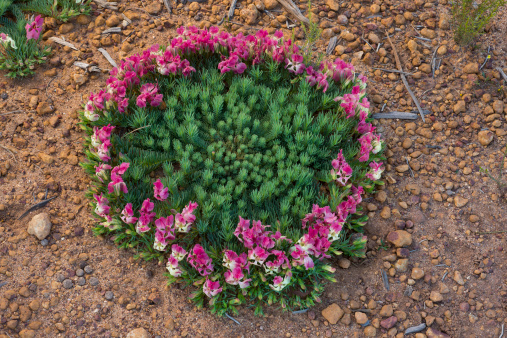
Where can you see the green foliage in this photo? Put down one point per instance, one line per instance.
(61, 10)
(502, 186)
(19, 61)
(312, 35)
(469, 18)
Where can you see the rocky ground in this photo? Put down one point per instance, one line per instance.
(436, 234)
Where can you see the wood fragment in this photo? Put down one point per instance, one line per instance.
(13, 112)
(106, 4)
(415, 329)
(37, 206)
(62, 42)
(393, 71)
(126, 18)
(398, 64)
(433, 61)
(89, 68)
(112, 30)
(502, 73)
(168, 6)
(385, 280)
(294, 10)
(234, 320)
(108, 57)
(230, 15)
(399, 115)
(10, 152)
(332, 45)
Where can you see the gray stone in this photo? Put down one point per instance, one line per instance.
(79, 272)
(109, 295)
(40, 226)
(81, 281)
(94, 281)
(68, 284)
(88, 269)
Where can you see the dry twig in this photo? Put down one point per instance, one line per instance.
(108, 57)
(230, 14)
(502, 73)
(62, 42)
(294, 10)
(13, 112)
(10, 151)
(398, 64)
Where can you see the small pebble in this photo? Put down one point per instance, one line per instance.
(68, 284)
(60, 278)
(94, 281)
(44, 242)
(79, 272)
(109, 295)
(81, 281)
(88, 269)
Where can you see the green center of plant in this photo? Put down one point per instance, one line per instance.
(253, 146)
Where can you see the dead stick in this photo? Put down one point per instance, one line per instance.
(231, 9)
(398, 64)
(168, 6)
(10, 151)
(392, 71)
(502, 73)
(13, 112)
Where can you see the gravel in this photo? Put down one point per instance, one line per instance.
(81, 281)
(88, 269)
(79, 272)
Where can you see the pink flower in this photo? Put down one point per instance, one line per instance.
(160, 192)
(128, 214)
(164, 233)
(100, 171)
(143, 223)
(34, 28)
(120, 169)
(173, 266)
(300, 257)
(295, 64)
(235, 277)
(200, 260)
(178, 252)
(349, 103)
(102, 208)
(149, 95)
(211, 289)
(186, 218)
(117, 185)
(101, 135)
(103, 151)
(376, 171)
(258, 255)
(342, 170)
(280, 283)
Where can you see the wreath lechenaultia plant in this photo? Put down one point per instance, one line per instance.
(196, 147)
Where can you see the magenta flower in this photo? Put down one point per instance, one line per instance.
(301, 257)
(128, 214)
(164, 233)
(178, 252)
(102, 208)
(34, 28)
(120, 169)
(258, 255)
(186, 218)
(100, 171)
(295, 64)
(143, 223)
(173, 266)
(376, 171)
(235, 277)
(101, 135)
(280, 283)
(103, 151)
(159, 192)
(342, 170)
(117, 185)
(149, 95)
(211, 289)
(200, 260)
